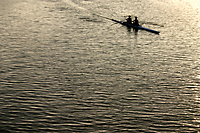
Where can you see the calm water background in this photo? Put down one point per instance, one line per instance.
(64, 69)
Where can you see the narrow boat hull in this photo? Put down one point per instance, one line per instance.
(135, 26)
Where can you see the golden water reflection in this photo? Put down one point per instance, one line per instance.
(195, 3)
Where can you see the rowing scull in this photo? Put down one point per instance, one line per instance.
(135, 26)
(130, 25)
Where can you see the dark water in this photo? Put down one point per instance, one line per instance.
(64, 69)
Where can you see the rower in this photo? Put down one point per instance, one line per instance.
(136, 22)
(129, 19)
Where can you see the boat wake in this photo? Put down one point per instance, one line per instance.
(71, 3)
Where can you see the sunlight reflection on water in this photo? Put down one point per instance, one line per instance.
(63, 70)
(195, 3)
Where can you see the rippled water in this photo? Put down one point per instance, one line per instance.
(64, 69)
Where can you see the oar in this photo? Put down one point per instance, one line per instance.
(152, 23)
(113, 24)
(102, 16)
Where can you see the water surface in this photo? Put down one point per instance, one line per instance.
(65, 69)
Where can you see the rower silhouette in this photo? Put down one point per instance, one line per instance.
(129, 19)
(136, 22)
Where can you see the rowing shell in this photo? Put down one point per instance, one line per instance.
(135, 26)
